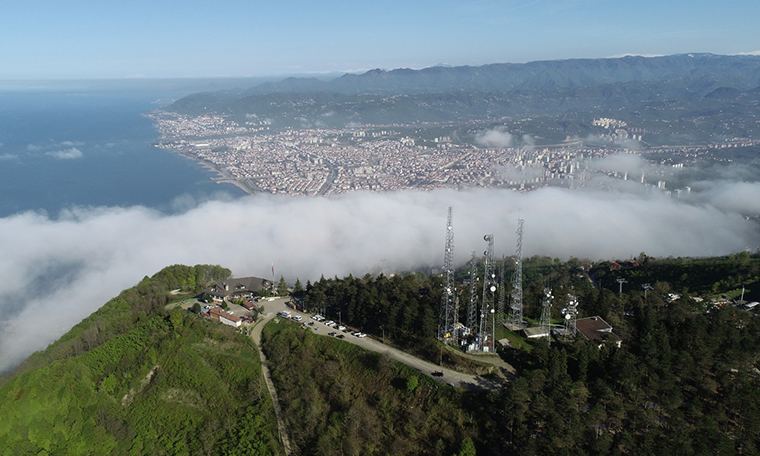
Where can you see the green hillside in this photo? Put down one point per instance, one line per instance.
(338, 398)
(135, 379)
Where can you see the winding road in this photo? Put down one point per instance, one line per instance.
(450, 376)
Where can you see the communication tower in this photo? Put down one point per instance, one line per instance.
(516, 306)
(571, 315)
(546, 311)
(489, 288)
(501, 308)
(448, 318)
(472, 305)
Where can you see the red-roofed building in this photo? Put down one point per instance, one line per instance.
(218, 314)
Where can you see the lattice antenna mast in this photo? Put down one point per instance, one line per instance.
(571, 315)
(489, 289)
(501, 308)
(546, 311)
(516, 306)
(448, 318)
(472, 305)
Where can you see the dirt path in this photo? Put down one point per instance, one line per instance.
(256, 336)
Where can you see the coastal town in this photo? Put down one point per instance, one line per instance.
(327, 161)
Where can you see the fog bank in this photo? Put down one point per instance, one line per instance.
(58, 270)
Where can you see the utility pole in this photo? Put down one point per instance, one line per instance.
(621, 282)
(646, 287)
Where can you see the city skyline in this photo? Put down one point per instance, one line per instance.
(84, 39)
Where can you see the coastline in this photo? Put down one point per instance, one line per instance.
(222, 178)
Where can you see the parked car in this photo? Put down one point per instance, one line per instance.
(297, 318)
(341, 328)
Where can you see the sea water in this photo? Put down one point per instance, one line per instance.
(64, 146)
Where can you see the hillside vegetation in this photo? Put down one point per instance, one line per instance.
(338, 398)
(135, 379)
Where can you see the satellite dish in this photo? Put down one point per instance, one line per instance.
(493, 288)
(567, 317)
(448, 227)
(564, 310)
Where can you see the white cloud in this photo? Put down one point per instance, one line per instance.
(8, 157)
(501, 137)
(497, 137)
(66, 154)
(57, 271)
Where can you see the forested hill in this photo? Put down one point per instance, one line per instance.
(134, 378)
(694, 70)
(686, 87)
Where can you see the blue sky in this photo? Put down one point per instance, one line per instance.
(48, 39)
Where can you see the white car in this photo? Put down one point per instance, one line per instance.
(297, 318)
(341, 328)
(359, 334)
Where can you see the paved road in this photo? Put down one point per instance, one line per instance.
(450, 376)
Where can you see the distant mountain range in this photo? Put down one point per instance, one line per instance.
(684, 84)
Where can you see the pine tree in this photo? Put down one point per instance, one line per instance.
(282, 287)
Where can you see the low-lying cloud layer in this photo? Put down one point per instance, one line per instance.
(57, 271)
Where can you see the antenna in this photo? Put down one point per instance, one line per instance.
(448, 317)
(571, 315)
(472, 305)
(489, 288)
(500, 309)
(516, 306)
(546, 311)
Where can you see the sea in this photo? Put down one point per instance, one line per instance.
(87, 144)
